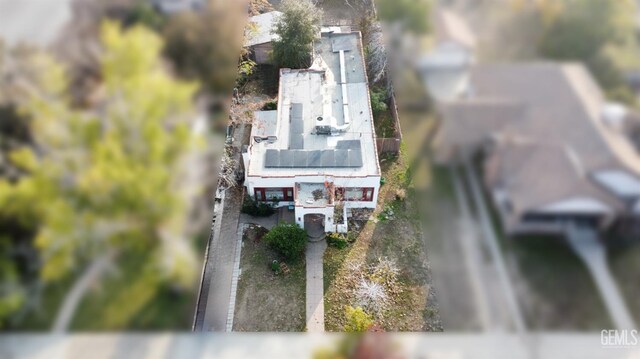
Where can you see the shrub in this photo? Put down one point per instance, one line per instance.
(270, 105)
(378, 101)
(336, 240)
(259, 209)
(357, 320)
(288, 239)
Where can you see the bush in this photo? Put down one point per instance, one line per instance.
(271, 105)
(253, 208)
(288, 239)
(401, 194)
(336, 240)
(378, 101)
(357, 320)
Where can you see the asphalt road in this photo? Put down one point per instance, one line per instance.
(33, 21)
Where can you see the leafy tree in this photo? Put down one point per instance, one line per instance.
(298, 26)
(107, 181)
(288, 239)
(411, 15)
(570, 33)
(144, 13)
(357, 320)
(206, 45)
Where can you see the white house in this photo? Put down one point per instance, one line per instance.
(317, 151)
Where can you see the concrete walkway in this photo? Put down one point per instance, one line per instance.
(315, 286)
(219, 267)
(586, 245)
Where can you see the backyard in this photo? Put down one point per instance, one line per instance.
(266, 301)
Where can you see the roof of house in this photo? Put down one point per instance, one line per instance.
(332, 95)
(556, 129)
(475, 120)
(538, 175)
(261, 32)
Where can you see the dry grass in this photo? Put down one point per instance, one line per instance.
(409, 305)
(267, 302)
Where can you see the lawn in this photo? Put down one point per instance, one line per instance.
(624, 262)
(410, 305)
(265, 301)
(556, 292)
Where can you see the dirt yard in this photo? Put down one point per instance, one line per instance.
(397, 238)
(267, 302)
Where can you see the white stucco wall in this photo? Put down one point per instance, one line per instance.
(372, 181)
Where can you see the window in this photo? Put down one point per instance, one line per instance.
(273, 193)
(354, 193)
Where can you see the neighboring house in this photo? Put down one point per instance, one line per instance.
(317, 153)
(551, 147)
(554, 148)
(259, 36)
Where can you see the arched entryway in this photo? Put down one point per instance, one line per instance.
(314, 225)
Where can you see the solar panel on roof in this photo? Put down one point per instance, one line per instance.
(341, 158)
(300, 158)
(328, 158)
(296, 141)
(286, 158)
(314, 158)
(271, 158)
(355, 158)
(297, 126)
(296, 110)
(348, 144)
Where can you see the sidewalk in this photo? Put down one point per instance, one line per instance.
(315, 286)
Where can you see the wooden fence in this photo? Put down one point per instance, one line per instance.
(391, 145)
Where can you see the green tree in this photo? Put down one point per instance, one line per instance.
(411, 15)
(106, 182)
(582, 30)
(206, 45)
(288, 239)
(298, 26)
(357, 320)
